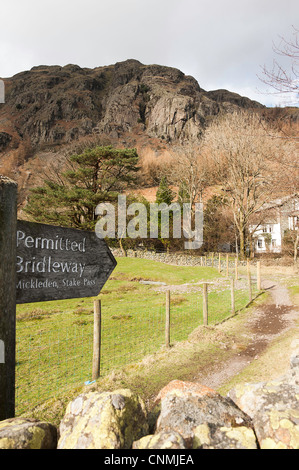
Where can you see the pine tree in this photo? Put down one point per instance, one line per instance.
(164, 193)
(99, 174)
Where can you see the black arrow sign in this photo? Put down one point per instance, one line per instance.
(56, 263)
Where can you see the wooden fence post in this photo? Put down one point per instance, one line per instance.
(249, 286)
(226, 264)
(167, 320)
(8, 233)
(219, 263)
(96, 363)
(213, 259)
(205, 303)
(258, 275)
(233, 296)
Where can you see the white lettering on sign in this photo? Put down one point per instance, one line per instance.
(48, 266)
(57, 243)
(35, 283)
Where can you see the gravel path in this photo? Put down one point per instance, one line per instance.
(265, 324)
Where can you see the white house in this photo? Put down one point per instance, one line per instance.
(276, 217)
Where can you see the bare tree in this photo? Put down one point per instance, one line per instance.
(291, 242)
(239, 146)
(191, 171)
(283, 77)
(283, 80)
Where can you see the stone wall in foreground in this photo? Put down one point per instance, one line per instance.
(186, 415)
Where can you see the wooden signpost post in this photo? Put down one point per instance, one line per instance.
(8, 227)
(40, 263)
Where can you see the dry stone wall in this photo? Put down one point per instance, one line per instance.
(185, 415)
(178, 259)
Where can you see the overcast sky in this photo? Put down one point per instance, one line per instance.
(222, 43)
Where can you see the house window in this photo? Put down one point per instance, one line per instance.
(293, 222)
(260, 243)
(264, 229)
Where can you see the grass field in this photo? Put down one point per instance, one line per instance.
(54, 339)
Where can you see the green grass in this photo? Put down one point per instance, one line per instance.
(132, 268)
(54, 339)
(294, 290)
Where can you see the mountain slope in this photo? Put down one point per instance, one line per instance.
(52, 104)
(145, 106)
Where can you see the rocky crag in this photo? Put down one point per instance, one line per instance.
(49, 109)
(53, 104)
(145, 106)
(186, 415)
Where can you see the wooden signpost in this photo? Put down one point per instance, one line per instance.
(40, 263)
(59, 263)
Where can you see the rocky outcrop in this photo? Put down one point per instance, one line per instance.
(128, 104)
(194, 411)
(274, 408)
(56, 105)
(103, 421)
(21, 433)
(185, 415)
(5, 139)
(161, 440)
(50, 109)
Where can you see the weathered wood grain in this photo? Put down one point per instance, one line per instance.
(59, 263)
(8, 220)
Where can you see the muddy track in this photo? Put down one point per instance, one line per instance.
(266, 323)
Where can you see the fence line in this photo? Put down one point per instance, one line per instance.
(51, 359)
(210, 259)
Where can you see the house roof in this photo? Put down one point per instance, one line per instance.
(278, 202)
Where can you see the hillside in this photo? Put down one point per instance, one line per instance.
(54, 105)
(146, 106)
(48, 109)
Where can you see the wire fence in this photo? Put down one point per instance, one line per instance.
(56, 353)
(49, 361)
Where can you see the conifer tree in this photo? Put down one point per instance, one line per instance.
(164, 193)
(99, 174)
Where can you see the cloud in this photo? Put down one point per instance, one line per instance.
(218, 42)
